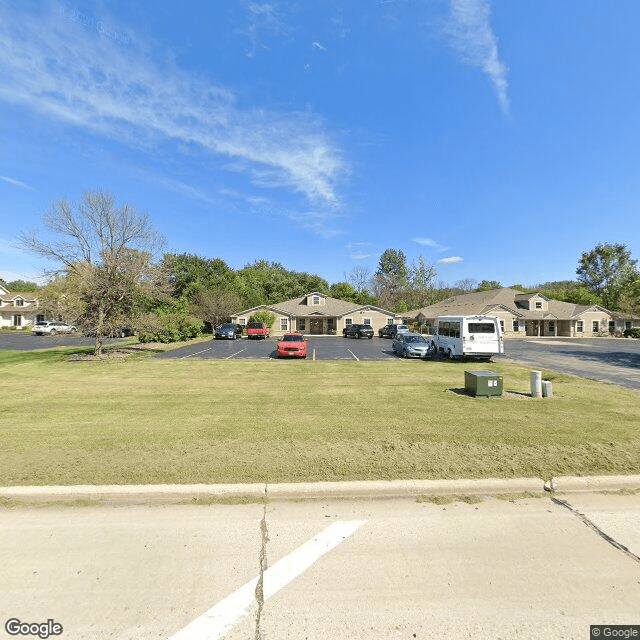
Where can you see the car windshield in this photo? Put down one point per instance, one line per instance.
(41, 324)
(293, 339)
(415, 339)
(254, 325)
(227, 326)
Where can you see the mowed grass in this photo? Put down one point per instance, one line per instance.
(146, 420)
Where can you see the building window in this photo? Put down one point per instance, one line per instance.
(316, 299)
(612, 326)
(538, 305)
(19, 302)
(552, 326)
(242, 321)
(284, 324)
(329, 324)
(40, 317)
(348, 322)
(501, 327)
(302, 324)
(579, 326)
(627, 325)
(595, 327)
(516, 325)
(17, 320)
(366, 321)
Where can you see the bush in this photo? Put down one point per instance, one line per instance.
(632, 333)
(169, 327)
(264, 316)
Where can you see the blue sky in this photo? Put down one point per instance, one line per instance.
(497, 139)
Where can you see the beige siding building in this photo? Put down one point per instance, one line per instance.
(18, 309)
(317, 314)
(529, 314)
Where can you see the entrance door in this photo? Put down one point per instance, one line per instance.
(315, 326)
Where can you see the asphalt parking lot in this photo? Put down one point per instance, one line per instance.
(325, 348)
(18, 341)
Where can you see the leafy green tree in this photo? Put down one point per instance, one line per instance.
(606, 271)
(487, 285)
(22, 285)
(343, 291)
(265, 316)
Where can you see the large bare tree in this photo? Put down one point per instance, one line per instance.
(107, 259)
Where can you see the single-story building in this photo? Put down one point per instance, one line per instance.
(18, 309)
(316, 314)
(529, 314)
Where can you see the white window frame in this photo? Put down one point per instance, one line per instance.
(579, 326)
(284, 324)
(302, 324)
(242, 321)
(538, 304)
(516, 325)
(19, 302)
(595, 326)
(367, 321)
(315, 300)
(348, 322)
(17, 320)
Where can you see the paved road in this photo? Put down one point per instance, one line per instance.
(530, 568)
(18, 341)
(615, 360)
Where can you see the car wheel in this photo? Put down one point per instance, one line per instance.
(73, 330)
(370, 337)
(52, 332)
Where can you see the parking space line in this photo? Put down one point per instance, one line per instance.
(354, 355)
(196, 353)
(218, 620)
(235, 354)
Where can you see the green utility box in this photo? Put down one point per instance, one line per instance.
(483, 383)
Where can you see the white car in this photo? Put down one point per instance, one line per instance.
(51, 328)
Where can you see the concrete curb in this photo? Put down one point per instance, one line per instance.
(576, 484)
(173, 493)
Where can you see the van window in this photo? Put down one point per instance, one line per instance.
(482, 327)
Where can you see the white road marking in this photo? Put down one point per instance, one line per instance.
(236, 353)
(196, 353)
(216, 622)
(354, 355)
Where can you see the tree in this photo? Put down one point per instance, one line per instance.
(360, 278)
(391, 279)
(265, 316)
(22, 286)
(607, 270)
(215, 306)
(106, 253)
(487, 285)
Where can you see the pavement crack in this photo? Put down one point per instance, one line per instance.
(262, 560)
(597, 529)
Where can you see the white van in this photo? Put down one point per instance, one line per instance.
(474, 337)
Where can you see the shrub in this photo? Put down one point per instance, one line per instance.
(632, 333)
(169, 327)
(264, 316)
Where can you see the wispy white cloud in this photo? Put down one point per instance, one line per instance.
(17, 183)
(471, 35)
(317, 45)
(360, 255)
(120, 89)
(429, 242)
(451, 260)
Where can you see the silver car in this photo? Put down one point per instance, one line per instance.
(411, 345)
(51, 328)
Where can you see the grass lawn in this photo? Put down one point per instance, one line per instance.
(195, 421)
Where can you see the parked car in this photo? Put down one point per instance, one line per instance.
(257, 330)
(411, 345)
(358, 331)
(392, 330)
(292, 345)
(45, 327)
(229, 331)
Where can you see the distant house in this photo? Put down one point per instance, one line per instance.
(529, 314)
(18, 309)
(316, 313)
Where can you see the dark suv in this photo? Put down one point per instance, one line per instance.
(229, 330)
(358, 331)
(392, 330)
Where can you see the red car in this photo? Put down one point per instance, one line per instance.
(292, 345)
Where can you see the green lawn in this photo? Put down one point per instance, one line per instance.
(190, 421)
